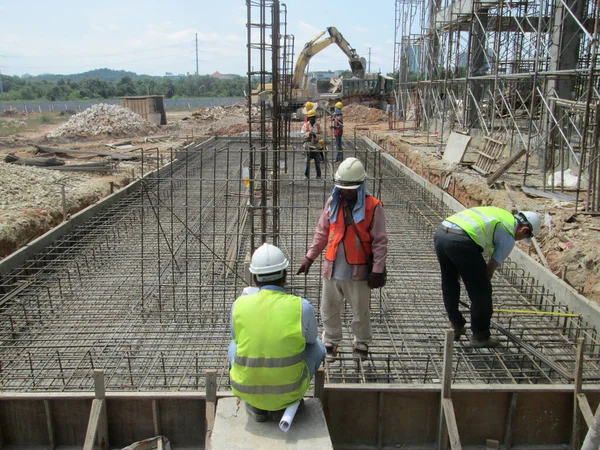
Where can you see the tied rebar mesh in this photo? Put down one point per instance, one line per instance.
(144, 289)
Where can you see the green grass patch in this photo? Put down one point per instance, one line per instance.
(33, 122)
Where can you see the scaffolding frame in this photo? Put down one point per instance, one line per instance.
(521, 71)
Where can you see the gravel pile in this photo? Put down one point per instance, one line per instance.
(104, 119)
(31, 187)
(219, 112)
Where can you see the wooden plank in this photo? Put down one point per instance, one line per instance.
(102, 425)
(539, 252)
(50, 424)
(320, 383)
(451, 424)
(485, 155)
(504, 167)
(577, 384)
(93, 423)
(156, 417)
(510, 417)
(480, 170)
(446, 390)
(211, 404)
(495, 141)
(586, 410)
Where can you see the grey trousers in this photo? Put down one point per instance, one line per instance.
(358, 296)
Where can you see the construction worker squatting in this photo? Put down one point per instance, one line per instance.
(274, 350)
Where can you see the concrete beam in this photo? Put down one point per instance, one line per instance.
(234, 430)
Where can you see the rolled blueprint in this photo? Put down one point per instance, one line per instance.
(288, 417)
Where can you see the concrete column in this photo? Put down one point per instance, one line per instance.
(479, 64)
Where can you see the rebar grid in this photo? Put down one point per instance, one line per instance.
(144, 289)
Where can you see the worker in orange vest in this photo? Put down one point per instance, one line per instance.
(338, 131)
(352, 232)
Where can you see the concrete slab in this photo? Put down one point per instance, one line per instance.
(234, 430)
(456, 147)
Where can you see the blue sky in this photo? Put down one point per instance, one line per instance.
(154, 37)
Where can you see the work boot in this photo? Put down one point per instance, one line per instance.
(260, 415)
(331, 350)
(479, 340)
(361, 349)
(459, 330)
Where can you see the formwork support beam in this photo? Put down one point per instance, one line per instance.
(211, 404)
(50, 424)
(448, 430)
(98, 421)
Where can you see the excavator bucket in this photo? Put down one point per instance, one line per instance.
(358, 67)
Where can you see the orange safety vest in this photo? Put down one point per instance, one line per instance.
(338, 232)
(309, 128)
(336, 123)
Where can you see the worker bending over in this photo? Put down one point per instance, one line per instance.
(274, 351)
(311, 131)
(352, 229)
(461, 242)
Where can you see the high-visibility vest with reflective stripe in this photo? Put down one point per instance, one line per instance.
(338, 231)
(269, 370)
(481, 222)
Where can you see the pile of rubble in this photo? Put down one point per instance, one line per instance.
(104, 119)
(218, 112)
(363, 114)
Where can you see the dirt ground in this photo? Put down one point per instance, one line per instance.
(31, 200)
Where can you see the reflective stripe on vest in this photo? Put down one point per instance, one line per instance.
(272, 390)
(339, 231)
(480, 224)
(269, 362)
(269, 370)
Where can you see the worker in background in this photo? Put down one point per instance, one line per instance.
(311, 131)
(352, 230)
(461, 243)
(308, 106)
(274, 350)
(338, 130)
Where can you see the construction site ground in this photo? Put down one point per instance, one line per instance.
(31, 198)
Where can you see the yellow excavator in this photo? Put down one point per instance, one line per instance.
(358, 65)
(299, 80)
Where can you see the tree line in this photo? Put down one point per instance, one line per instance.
(19, 88)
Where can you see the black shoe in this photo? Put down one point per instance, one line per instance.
(331, 350)
(481, 341)
(459, 330)
(260, 415)
(361, 349)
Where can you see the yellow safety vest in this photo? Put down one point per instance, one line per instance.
(480, 223)
(269, 370)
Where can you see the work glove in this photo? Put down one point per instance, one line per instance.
(305, 266)
(376, 280)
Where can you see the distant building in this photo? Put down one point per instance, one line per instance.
(173, 77)
(221, 76)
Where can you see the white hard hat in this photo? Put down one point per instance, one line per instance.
(350, 174)
(531, 219)
(268, 263)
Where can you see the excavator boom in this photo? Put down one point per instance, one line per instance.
(311, 48)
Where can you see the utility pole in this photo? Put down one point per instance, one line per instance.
(369, 68)
(196, 53)
(1, 91)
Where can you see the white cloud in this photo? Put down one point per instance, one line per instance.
(360, 29)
